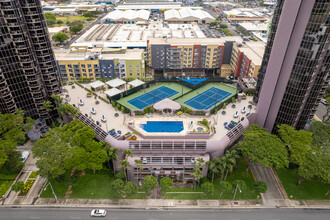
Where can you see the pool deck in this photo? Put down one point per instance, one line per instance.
(121, 122)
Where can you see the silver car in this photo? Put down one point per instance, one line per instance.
(98, 213)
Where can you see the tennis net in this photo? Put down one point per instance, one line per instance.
(210, 97)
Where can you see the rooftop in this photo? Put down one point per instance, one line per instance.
(136, 83)
(153, 5)
(115, 83)
(187, 13)
(130, 54)
(205, 41)
(249, 26)
(133, 35)
(254, 51)
(127, 15)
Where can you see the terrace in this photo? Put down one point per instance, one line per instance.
(109, 117)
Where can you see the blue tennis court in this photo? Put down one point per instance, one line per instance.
(193, 81)
(152, 97)
(208, 98)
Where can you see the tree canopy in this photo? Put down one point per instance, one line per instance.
(263, 148)
(149, 183)
(12, 133)
(60, 37)
(71, 147)
(166, 184)
(298, 142)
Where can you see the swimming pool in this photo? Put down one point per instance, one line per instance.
(163, 126)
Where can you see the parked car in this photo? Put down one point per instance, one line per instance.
(324, 102)
(25, 155)
(98, 213)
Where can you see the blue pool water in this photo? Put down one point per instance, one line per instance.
(163, 126)
(193, 80)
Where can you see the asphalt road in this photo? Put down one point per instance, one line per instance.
(136, 214)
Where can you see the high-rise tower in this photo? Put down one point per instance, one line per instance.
(28, 71)
(296, 64)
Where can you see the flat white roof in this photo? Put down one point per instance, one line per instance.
(127, 15)
(262, 26)
(132, 35)
(112, 92)
(187, 13)
(115, 83)
(136, 83)
(97, 84)
(151, 6)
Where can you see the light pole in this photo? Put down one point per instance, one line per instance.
(52, 191)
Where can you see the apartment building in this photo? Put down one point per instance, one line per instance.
(101, 63)
(28, 71)
(194, 57)
(246, 58)
(295, 68)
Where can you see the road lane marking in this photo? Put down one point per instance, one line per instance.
(34, 217)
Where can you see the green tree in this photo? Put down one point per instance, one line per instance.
(48, 106)
(213, 23)
(125, 165)
(59, 22)
(166, 184)
(60, 37)
(50, 16)
(50, 22)
(118, 186)
(240, 185)
(76, 28)
(112, 155)
(263, 148)
(230, 159)
(75, 147)
(213, 164)
(260, 187)
(298, 143)
(197, 173)
(64, 109)
(321, 134)
(139, 166)
(12, 133)
(317, 166)
(225, 187)
(18, 186)
(207, 188)
(130, 189)
(120, 175)
(223, 26)
(149, 183)
(128, 153)
(14, 164)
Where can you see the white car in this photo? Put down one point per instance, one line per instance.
(98, 212)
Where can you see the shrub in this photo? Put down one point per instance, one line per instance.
(149, 109)
(70, 83)
(27, 187)
(139, 112)
(120, 175)
(18, 186)
(122, 109)
(180, 112)
(224, 106)
(223, 26)
(33, 175)
(89, 94)
(107, 101)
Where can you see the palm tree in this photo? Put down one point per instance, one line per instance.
(64, 109)
(125, 165)
(231, 161)
(128, 153)
(138, 165)
(111, 155)
(213, 165)
(48, 106)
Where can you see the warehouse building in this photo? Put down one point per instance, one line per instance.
(188, 15)
(126, 17)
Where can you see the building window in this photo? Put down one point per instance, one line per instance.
(69, 66)
(83, 66)
(89, 65)
(90, 70)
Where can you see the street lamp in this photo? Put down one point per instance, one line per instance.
(52, 191)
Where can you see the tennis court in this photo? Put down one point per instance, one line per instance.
(208, 98)
(152, 97)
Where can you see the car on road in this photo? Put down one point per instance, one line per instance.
(98, 213)
(324, 102)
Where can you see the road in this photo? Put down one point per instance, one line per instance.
(73, 39)
(177, 214)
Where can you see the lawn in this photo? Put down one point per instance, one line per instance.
(308, 189)
(89, 186)
(71, 18)
(237, 174)
(4, 186)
